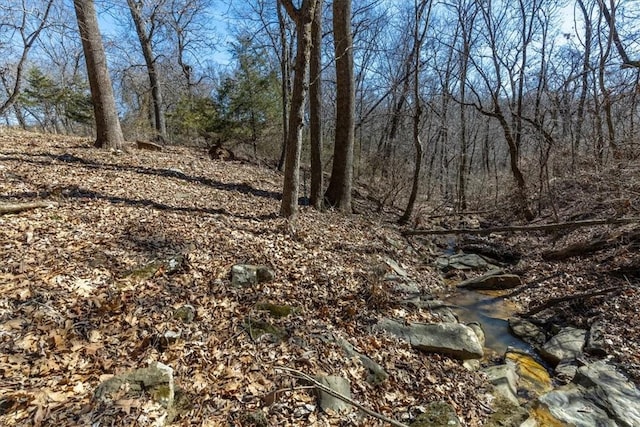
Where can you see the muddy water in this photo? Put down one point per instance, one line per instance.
(491, 310)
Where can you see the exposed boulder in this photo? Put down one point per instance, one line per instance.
(247, 274)
(527, 331)
(599, 395)
(463, 262)
(566, 344)
(341, 386)
(152, 387)
(505, 380)
(451, 339)
(492, 281)
(533, 378)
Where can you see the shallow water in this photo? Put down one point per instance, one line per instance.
(492, 311)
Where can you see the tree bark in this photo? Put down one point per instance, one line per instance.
(144, 37)
(285, 82)
(108, 131)
(339, 191)
(303, 18)
(315, 109)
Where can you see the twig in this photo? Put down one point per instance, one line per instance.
(301, 375)
(514, 228)
(554, 301)
(533, 283)
(19, 207)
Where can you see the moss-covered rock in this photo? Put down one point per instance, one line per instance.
(438, 414)
(257, 328)
(276, 310)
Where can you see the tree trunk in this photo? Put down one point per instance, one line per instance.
(144, 37)
(285, 82)
(339, 191)
(303, 18)
(108, 131)
(418, 38)
(315, 109)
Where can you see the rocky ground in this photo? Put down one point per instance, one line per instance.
(130, 263)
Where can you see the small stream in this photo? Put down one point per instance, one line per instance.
(491, 310)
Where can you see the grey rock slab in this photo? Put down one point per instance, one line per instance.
(477, 329)
(527, 331)
(341, 386)
(611, 390)
(505, 379)
(492, 281)
(566, 371)
(566, 344)
(441, 309)
(463, 262)
(451, 339)
(572, 407)
(247, 274)
(157, 380)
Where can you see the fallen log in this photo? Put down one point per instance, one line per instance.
(585, 248)
(524, 228)
(6, 208)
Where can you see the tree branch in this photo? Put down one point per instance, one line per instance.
(301, 375)
(516, 228)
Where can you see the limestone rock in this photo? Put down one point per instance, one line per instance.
(567, 344)
(247, 274)
(527, 331)
(595, 340)
(566, 371)
(463, 262)
(441, 309)
(437, 414)
(505, 379)
(477, 329)
(611, 390)
(492, 281)
(533, 378)
(598, 396)
(451, 339)
(339, 385)
(155, 380)
(570, 406)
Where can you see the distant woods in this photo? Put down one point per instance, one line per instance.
(461, 103)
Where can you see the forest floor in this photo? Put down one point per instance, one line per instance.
(80, 303)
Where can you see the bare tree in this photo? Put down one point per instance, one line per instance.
(420, 26)
(315, 110)
(146, 30)
(29, 23)
(609, 13)
(303, 18)
(108, 131)
(338, 193)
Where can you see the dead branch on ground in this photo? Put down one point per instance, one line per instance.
(525, 228)
(6, 208)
